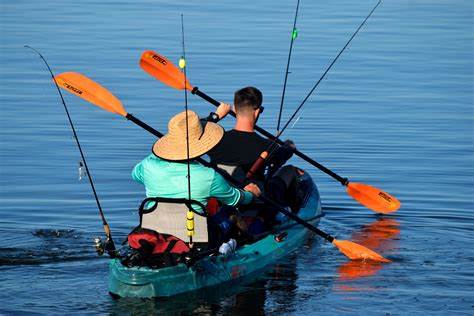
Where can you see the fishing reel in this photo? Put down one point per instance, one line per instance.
(99, 246)
(106, 246)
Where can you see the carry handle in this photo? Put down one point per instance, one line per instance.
(188, 203)
(144, 210)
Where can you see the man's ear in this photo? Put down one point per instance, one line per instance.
(256, 113)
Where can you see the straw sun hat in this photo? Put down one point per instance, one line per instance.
(172, 146)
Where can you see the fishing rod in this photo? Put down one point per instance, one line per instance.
(109, 243)
(74, 82)
(273, 146)
(190, 213)
(294, 34)
(327, 70)
(276, 141)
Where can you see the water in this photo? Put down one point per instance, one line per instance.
(396, 112)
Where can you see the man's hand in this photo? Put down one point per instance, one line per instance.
(222, 110)
(254, 189)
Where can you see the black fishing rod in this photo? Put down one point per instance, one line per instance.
(273, 146)
(109, 243)
(190, 213)
(294, 34)
(327, 70)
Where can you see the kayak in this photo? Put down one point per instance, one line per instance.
(215, 270)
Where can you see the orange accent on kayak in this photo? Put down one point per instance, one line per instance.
(373, 197)
(91, 91)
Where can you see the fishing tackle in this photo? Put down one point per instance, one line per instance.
(109, 243)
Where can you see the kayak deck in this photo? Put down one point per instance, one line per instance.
(214, 270)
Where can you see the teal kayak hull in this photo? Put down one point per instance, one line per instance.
(214, 270)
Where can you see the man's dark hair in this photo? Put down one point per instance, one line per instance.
(248, 98)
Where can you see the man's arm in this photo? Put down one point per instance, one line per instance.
(222, 110)
(229, 195)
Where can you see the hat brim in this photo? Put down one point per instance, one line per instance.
(171, 148)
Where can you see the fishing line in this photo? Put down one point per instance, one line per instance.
(274, 145)
(294, 34)
(296, 121)
(109, 244)
(328, 68)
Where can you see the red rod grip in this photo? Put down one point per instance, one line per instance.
(257, 165)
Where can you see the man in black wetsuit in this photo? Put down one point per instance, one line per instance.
(241, 147)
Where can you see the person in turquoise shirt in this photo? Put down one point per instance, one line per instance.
(164, 172)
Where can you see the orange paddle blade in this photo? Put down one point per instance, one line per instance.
(373, 198)
(90, 91)
(357, 252)
(161, 68)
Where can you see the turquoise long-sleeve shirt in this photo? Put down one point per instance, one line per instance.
(168, 179)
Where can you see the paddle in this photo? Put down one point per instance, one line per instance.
(373, 198)
(87, 89)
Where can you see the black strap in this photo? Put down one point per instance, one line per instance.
(184, 201)
(170, 246)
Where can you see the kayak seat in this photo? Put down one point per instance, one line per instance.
(168, 216)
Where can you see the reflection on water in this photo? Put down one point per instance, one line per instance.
(380, 236)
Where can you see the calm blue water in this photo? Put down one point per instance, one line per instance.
(396, 112)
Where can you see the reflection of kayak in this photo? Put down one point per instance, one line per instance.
(214, 270)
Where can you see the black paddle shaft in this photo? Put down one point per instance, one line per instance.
(343, 181)
(235, 182)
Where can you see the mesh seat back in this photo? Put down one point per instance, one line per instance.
(170, 218)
